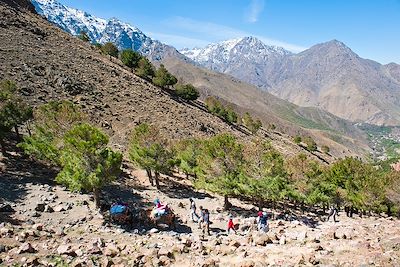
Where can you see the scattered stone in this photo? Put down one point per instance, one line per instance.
(40, 207)
(2, 248)
(164, 261)
(38, 227)
(302, 236)
(59, 208)
(66, 250)
(209, 263)
(48, 209)
(35, 214)
(235, 243)
(263, 240)
(5, 231)
(247, 263)
(165, 251)
(106, 262)
(94, 250)
(26, 248)
(111, 250)
(33, 261)
(79, 252)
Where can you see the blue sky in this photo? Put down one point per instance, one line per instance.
(371, 28)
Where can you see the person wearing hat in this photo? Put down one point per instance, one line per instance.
(263, 222)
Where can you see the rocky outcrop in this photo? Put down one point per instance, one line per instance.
(20, 4)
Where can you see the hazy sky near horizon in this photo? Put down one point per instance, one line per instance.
(371, 28)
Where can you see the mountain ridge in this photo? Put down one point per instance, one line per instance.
(328, 75)
(123, 35)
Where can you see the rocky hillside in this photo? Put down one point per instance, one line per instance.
(328, 76)
(53, 227)
(49, 64)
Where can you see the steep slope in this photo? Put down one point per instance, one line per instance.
(49, 64)
(393, 70)
(328, 76)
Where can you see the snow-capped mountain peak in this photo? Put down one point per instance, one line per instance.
(221, 56)
(99, 30)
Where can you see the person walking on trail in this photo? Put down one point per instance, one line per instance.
(263, 223)
(201, 216)
(231, 225)
(193, 214)
(332, 213)
(206, 222)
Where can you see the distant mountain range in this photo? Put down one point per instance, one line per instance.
(329, 76)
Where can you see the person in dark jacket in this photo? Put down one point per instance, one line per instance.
(206, 222)
(263, 223)
(332, 213)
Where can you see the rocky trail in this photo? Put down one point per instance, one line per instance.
(43, 224)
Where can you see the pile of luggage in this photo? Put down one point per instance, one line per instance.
(160, 209)
(121, 213)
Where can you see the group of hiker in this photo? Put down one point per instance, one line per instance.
(120, 211)
(204, 219)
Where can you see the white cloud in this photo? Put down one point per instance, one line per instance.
(254, 10)
(219, 32)
(177, 41)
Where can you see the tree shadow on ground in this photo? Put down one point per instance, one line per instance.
(8, 218)
(174, 189)
(182, 228)
(122, 190)
(18, 171)
(236, 211)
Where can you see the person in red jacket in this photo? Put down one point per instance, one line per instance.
(231, 225)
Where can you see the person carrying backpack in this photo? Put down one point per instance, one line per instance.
(332, 213)
(201, 216)
(193, 214)
(263, 223)
(206, 222)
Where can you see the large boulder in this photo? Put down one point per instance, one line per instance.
(26, 248)
(111, 250)
(66, 250)
(263, 240)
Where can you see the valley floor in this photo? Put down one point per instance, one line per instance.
(51, 226)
